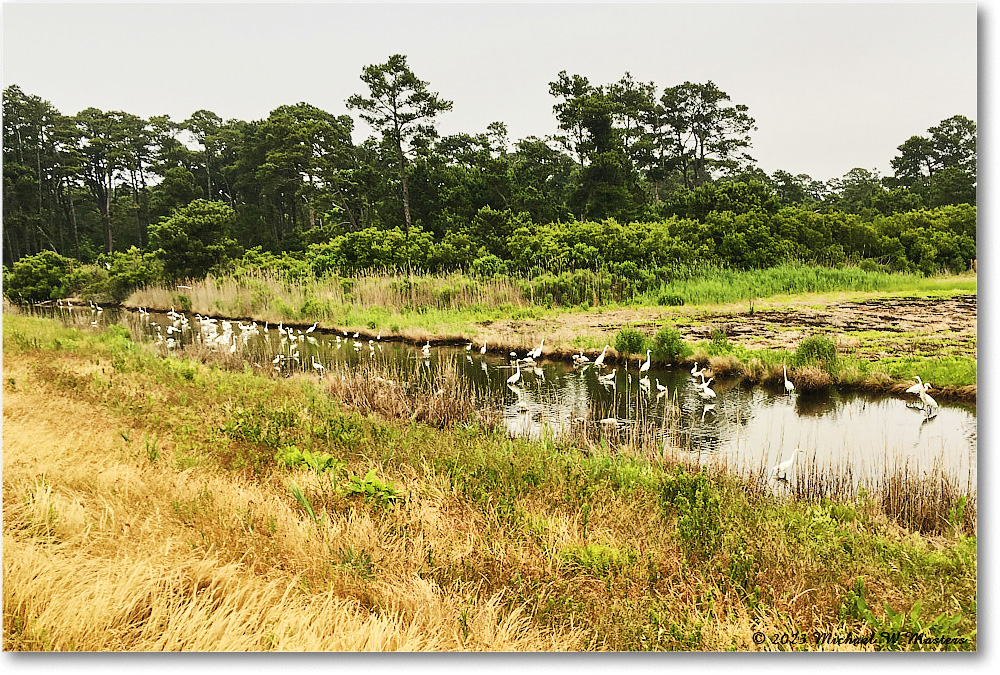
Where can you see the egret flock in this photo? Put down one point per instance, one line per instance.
(228, 335)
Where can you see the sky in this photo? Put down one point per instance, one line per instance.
(831, 86)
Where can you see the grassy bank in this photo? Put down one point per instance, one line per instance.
(191, 506)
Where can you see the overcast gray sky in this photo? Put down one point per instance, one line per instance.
(831, 86)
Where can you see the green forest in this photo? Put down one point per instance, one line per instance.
(643, 184)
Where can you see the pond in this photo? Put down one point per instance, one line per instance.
(857, 437)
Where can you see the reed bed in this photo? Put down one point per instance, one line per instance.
(369, 297)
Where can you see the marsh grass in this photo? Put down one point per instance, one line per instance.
(496, 543)
(410, 305)
(723, 286)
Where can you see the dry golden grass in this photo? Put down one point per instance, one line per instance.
(101, 553)
(267, 296)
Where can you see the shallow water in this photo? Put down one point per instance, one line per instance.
(857, 437)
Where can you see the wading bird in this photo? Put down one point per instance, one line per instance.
(599, 361)
(516, 376)
(482, 350)
(537, 352)
(659, 387)
(788, 385)
(610, 377)
(645, 366)
(919, 387)
(930, 405)
(781, 470)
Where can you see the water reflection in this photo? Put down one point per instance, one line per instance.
(747, 428)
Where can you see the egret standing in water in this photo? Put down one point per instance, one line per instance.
(782, 469)
(482, 350)
(788, 385)
(317, 366)
(645, 366)
(599, 361)
(516, 376)
(930, 405)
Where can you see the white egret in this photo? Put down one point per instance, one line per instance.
(516, 376)
(537, 352)
(788, 385)
(781, 470)
(609, 377)
(599, 361)
(468, 347)
(694, 370)
(645, 366)
(312, 327)
(317, 366)
(919, 386)
(427, 349)
(659, 387)
(482, 350)
(581, 358)
(925, 398)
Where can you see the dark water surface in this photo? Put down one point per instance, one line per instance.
(856, 436)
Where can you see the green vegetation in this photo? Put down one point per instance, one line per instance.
(642, 203)
(634, 550)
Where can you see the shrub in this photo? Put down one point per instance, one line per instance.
(630, 341)
(668, 345)
(815, 349)
(720, 342)
(43, 276)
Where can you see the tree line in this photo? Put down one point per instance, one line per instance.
(670, 165)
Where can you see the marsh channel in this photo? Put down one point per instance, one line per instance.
(854, 438)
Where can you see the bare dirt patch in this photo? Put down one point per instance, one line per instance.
(933, 319)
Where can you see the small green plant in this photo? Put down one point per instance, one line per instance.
(301, 498)
(630, 341)
(291, 456)
(371, 489)
(152, 452)
(956, 516)
(696, 503)
(599, 559)
(355, 562)
(901, 630)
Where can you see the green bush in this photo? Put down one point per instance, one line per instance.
(668, 346)
(43, 276)
(630, 341)
(815, 349)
